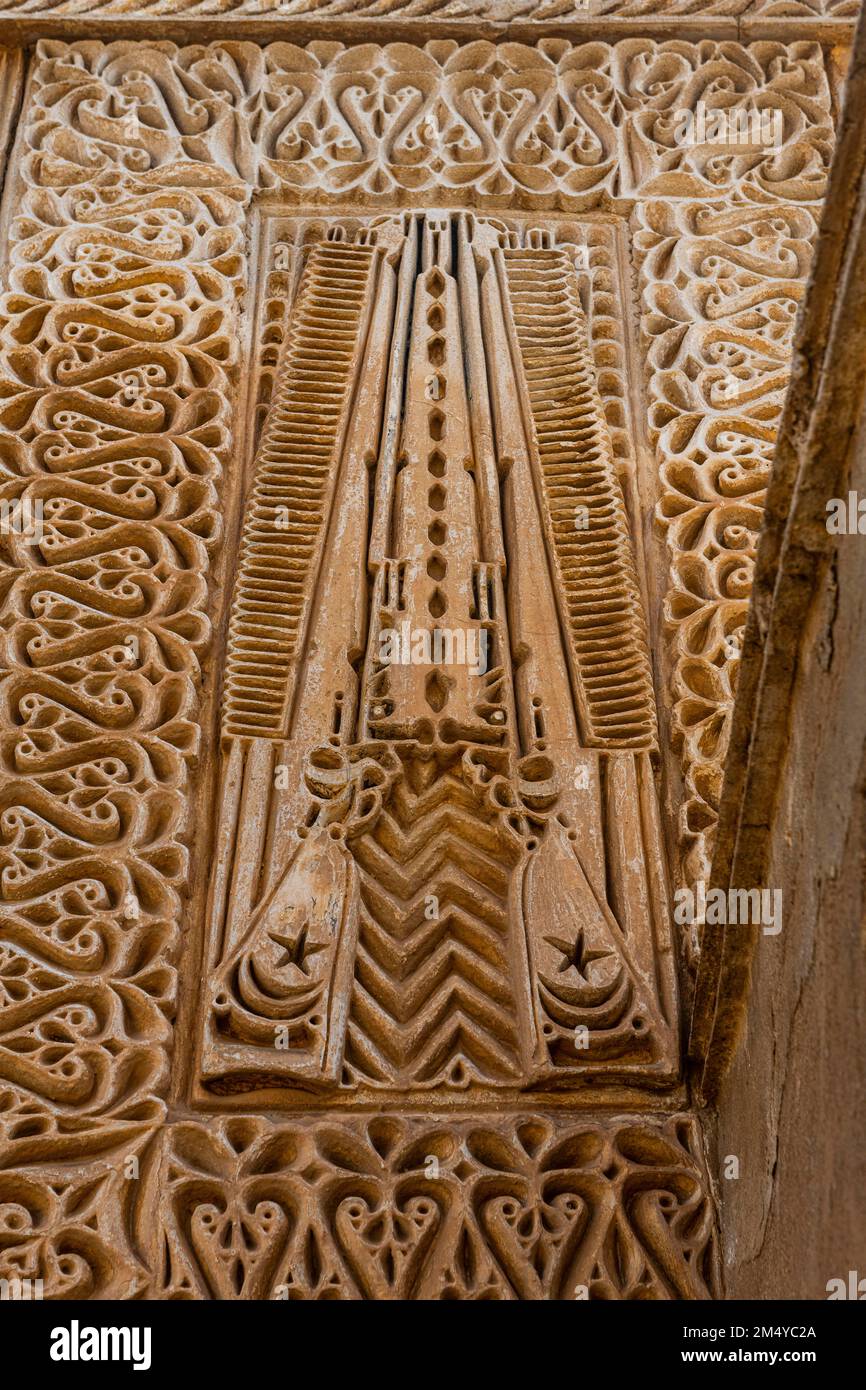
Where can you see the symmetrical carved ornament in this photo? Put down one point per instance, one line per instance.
(427, 876)
(720, 287)
(550, 125)
(439, 861)
(529, 1207)
(508, 125)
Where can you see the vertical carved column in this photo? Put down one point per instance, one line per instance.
(293, 602)
(11, 83)
(119, 347)
(721, 285)
(441, 990)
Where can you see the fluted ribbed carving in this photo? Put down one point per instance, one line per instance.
(289, 501)
(584, 502)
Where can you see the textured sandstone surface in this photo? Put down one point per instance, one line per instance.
(386, 417)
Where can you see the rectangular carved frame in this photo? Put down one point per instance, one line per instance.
(134, 173)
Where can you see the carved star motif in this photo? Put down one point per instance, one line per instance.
(297, 949)
(575, 954)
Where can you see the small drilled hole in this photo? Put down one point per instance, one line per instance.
(436, 691)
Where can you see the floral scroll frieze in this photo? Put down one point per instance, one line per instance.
(528, 1208)
(575, 126)
(396, 1208)
(118, 338)
(720, 287)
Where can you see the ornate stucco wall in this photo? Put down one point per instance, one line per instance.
(161, 201)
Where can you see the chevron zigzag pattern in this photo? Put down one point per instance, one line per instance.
(433, 1000)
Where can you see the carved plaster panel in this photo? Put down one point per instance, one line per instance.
(438, 868)
(137, 177)
(119, 345)
(512, 125)
(528, 1207)
(721, 284)
(584, 126)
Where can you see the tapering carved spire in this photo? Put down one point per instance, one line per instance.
(438, 702)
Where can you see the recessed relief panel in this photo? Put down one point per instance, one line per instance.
(439, 864)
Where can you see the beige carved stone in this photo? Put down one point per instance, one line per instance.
(556, 124)
(721, 284)
(529, 1207)
(331, 667)
(507, 125)
(439, 856)
(492, 12)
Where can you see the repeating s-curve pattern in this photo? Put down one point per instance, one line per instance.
(528, 1208)
(432, 880)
